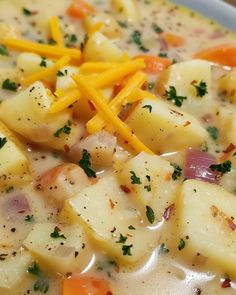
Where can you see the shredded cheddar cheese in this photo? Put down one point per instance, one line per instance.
(48, 72)
(97, 98)
(42, 49)
(97, 122)
(56, 31)
(97, 67)
(66, 100)
(138, 94)
(97, 27)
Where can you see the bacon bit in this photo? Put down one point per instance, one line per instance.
(207, 118)
(216, 211)
(187, 123)
(168, 212)
(176, 112)
(232, 93)
(112, 205)
(168, 176)
(109, 293)
(226, 283)
(229, 149)
(125, 189)
(91, 105)
(66, 148)
(21, 211)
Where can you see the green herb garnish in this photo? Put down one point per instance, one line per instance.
(10, 189)
(85, 164)
(3, 141)
(136, 38)
(55, 234)
(163, 249)
(66, 129)
(223, 168)
(9, 85)
(163, 55)
(29, 218)
(27, 12)
(127, 250)
(177, 171)
(42, 284)
(3, 50)
(181, 244)
(157, 29)
(213, 131)
(122, 24)
(150, 214)
(171, 94)
(134, 178)
(131, 227)
(148, 107)
(148, 186)
(201, 88)
(122, 239)
(43, 62)
(151, 85)
(60, 74)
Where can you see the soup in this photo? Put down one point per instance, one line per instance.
(117, 149)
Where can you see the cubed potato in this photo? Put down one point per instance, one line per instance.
(110, 27)
(106, 212)
(227, 85)
(157, 188)
(14, 270)
(29, 63)
(100, 48)
(226, 122)
(181, 76)
(62, 255)
(207, 215)
(64, 78)
(127, 8)
(166, 128)
(14, 164)
(27, 113)
(12, 74)
(8, 31)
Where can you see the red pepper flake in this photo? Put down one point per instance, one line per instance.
(91, 105)
(231, 224)
(112, 205)
(207, 118)
(216, 212)
(187, 123)
(226, 283)
(21, 211)
(168, 212)
(66, 148)
(229, 149)
(109, 293)
(125, 189)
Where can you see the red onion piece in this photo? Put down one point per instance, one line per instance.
(15, 206)
(197, 165)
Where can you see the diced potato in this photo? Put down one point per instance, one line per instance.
(226, 119)
(12, 74)
(14, 270)
(128, 8)
(62, 182)
(27, 113)
(227, 85)
(29, 63)
(62, 255)
(101, 147)
(106, 212)
(110, 27)
(64, 79)
(8, 31)
(166, 128)
(206, 214)
(14, 164)
(181, 75)
(100, 48)
(157, 189)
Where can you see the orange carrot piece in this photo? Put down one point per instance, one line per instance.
(85, 285)
(80, 9)
(222, 54)
(155, 64)
(173, 40)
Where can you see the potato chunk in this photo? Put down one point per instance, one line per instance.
(14, 164)
(227, 85)
(70, 251)
(14, 270)
(206, 214)
(167, 128)
(226, 119)
(27, 113)
(128, 8)
(106, 212)
(64, 78)
(182, 76)
(156, 190)
(100, 48)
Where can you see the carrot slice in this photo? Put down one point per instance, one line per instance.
(155, 64)
(173, 40)
(80, 9)
(222, 54)
(85, 285)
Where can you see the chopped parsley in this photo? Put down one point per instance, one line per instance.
(122, 24)
(56, 234)
(10, 189)
(127, 250)
(43, 62)
(213, 131)
(51, 41)
(151, 85)
(42, 284)
(65, 129)
(148, 186)
(136, 38)
(148, 107)
(157, 29)
(122, 239)
(201, 88)
(171, 94)
(177, 171)
(162, 54)
(181, 244)
(27, 12)
(150, 214)
(29, 218)
(72, 38)
(9, 85)
(3, 141)
(163, 249)
(60, 74)
(3, 50)
(85, 164)
(131, 227)
(223, 168)
(134, 178)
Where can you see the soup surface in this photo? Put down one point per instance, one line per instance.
(117, 149)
